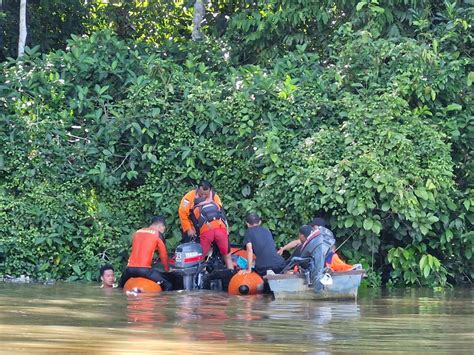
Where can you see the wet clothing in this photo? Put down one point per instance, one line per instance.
(336, 264)
(186, 208)
(264, 249)
(147, 273)
(145, 242)
(218, 236)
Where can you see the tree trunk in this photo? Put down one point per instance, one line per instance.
(22, 37)
(199, 12)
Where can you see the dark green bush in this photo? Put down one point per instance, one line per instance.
(97, 139)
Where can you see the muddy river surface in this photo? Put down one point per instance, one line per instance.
(83, 318)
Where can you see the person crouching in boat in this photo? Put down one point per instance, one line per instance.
(335, 263)
(316, 244)
(258, 240)
(144, 244)
(297, 243)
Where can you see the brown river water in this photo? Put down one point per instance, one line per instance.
(83, 318)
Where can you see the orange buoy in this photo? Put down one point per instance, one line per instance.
(140, 284)
(246, 284)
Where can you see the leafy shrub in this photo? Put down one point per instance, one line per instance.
(102, 136)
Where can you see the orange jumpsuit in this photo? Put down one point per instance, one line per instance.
(336, 264)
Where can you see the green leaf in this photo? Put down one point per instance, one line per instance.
(76, 269)
(470, 78)
(43, 267)
(360, 5)
(467, 204)
(377, 9)
(423, 261)
(368, 223)
(420, 192)
(454, 107)
(137, 127)
(377, 227)
(429, 185)
(349, 222)
(449, 234)
(423, 229)
(385, 206)
(426, 271)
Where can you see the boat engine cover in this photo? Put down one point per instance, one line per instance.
(188, 255)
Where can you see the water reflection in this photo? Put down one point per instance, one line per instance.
(74, 318)
(218, 317)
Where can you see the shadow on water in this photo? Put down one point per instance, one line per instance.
(84, 318)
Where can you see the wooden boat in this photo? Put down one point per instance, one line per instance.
(335, 286)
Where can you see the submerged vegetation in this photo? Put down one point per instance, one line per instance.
(360, 112)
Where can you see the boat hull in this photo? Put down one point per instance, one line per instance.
(344, 285)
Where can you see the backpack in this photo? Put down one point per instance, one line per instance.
(208, 212)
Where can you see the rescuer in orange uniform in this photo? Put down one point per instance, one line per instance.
(201, 214)
(334, 262)
(145, 242)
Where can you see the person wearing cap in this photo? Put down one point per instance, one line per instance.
(144, 244)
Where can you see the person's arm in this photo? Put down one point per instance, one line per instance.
(187, 203)
(161, 248)
(249, 257)
(290, 245)
(217, 200)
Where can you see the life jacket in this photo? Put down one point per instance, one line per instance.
(335, 263)
(208, 212)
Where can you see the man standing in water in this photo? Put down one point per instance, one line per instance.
(145, 242)
(107, 276)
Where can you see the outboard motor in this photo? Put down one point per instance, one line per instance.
(188, 264)
(318, 248)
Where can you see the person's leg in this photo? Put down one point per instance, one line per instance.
(184, 237)
(221, 238)
(158, 277)
(206, 239)
(124, 278)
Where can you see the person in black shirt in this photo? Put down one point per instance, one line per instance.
(259, 241)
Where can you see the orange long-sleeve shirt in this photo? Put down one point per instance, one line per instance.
(336, 264)
(144, 244)
(187, 205)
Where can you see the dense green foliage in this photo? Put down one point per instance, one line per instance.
(362, 114)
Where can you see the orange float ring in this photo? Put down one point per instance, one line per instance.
(246, 284)
(140, 284)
